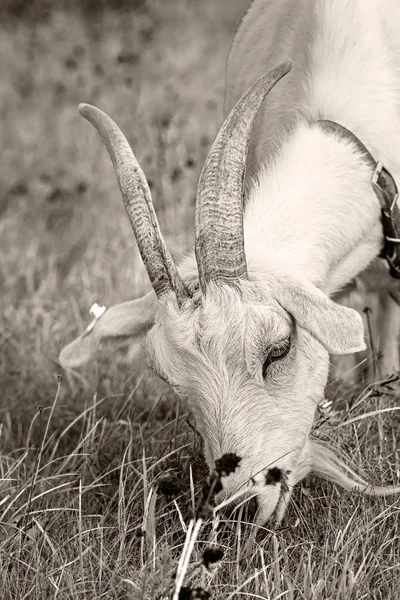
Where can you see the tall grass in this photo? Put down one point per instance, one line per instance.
(83, 513)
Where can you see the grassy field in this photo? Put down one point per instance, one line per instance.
(82, 513)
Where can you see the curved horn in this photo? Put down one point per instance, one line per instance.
(219, 212)
(136, 195)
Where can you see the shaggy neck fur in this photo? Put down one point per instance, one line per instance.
(313, 203)
(345, 68)
(313, 211)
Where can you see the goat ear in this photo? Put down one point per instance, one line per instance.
(129, 319)
(339, 329)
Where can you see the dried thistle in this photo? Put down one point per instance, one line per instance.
(212, 554)
(274, 476)
(227, 464)
(169, 486)
(188, 593)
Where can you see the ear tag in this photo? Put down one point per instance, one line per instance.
(97, 311)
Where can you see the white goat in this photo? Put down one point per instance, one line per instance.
(244, 329)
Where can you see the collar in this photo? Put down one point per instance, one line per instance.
(386, 191)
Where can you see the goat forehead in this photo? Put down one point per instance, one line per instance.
(218, 345)
(240, 316)
(243, 330)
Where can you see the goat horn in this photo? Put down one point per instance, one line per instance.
(219, 245)
(136, 195)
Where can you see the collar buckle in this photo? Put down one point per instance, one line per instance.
(386, 191)
(377, 173)
(385, 188)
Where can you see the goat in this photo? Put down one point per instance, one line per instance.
(244, 328)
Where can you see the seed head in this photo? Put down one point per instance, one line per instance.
(273, 476)
(212, 554)
(187, 593)
(227, 464)
(169, 486)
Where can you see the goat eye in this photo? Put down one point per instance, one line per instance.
(277, 352)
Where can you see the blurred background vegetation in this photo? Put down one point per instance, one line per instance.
(157, 67)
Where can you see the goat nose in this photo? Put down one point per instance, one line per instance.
(243, 511)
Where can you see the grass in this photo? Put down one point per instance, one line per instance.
(82, 511)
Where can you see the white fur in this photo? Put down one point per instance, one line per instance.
(345, 68)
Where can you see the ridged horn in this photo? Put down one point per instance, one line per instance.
(162, 271)
(219, 245)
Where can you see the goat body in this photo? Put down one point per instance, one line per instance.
(244, 329)
(310, 203)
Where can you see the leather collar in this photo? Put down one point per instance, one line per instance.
(386, 191)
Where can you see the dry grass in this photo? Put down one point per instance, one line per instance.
(81, 457)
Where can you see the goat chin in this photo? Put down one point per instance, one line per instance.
(320, 460)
